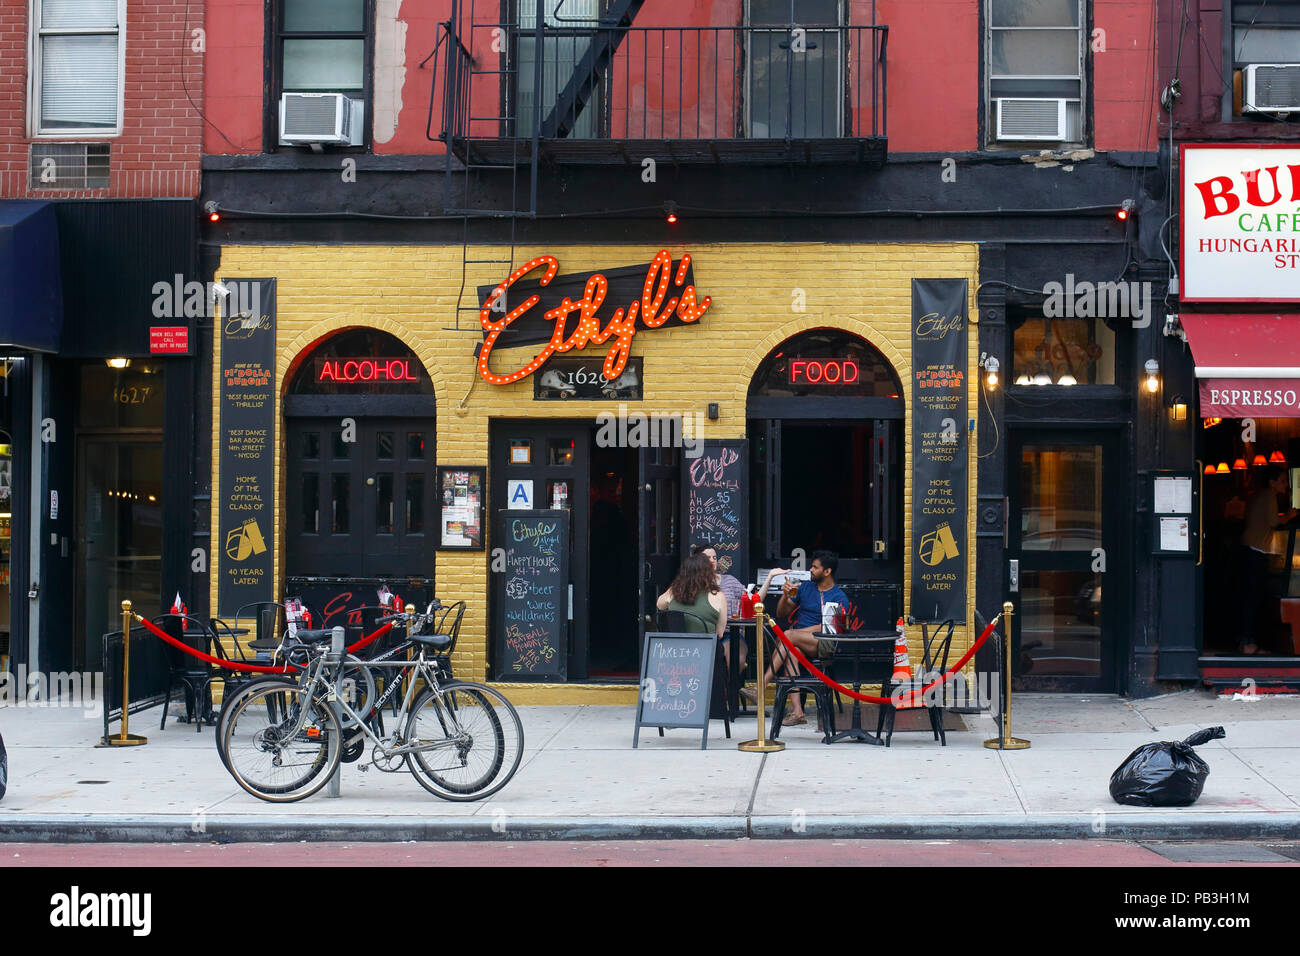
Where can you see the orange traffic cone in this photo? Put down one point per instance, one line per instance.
(902, 664)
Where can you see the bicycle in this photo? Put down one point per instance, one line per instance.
(359, 686)
(461, 740)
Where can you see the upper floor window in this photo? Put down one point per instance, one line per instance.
(77, 73)
(794, 69)
(1035, 70)
(323, 47)
(1266, 57)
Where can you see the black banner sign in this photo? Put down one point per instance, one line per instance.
(676, 682)
(246, 496)
(585, 378)
(532, 599)
(626, 285)
(939, 449)
(717, 492)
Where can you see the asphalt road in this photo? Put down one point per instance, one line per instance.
(743, 853)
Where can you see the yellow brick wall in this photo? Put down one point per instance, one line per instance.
(411, 292)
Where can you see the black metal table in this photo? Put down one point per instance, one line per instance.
(736, 628)
(869, 666)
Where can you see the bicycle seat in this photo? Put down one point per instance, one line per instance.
(324, 634)
(436, 641)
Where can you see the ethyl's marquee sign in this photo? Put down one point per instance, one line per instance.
(642, 293)
(1240, 223)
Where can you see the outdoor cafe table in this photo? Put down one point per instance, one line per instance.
(738, 629)
(851, 658)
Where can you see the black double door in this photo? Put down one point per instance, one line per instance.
(360, 497)
(624, 509)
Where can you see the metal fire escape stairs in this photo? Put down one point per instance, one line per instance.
(460, 123)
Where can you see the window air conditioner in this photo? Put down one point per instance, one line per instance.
(1272, 88)
(312, 119)
(1031, 119)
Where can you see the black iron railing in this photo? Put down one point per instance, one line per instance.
(612, 83)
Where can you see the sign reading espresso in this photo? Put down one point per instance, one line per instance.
(574, 323)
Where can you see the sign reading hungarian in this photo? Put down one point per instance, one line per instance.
(652, 297)
(1240, 223)
(939, 449)
(245, 497)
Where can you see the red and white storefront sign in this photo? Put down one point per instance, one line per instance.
(1247, 366)
(169, 340)
(1240, 223)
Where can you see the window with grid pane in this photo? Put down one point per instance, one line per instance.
(794, 89)
(323, 46)
(1035, 69)
(78, 84)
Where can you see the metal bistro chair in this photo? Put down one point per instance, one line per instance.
(686, 622)
(194, 676)
(802, 683)
(934, 661)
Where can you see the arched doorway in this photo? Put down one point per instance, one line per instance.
(359, 461)
(825, 419)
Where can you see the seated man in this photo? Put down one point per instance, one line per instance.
(806, 601)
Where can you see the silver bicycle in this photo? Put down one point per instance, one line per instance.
(461, 740)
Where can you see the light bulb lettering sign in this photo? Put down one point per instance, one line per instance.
(364, 370)
(824, 371)
(516, 312)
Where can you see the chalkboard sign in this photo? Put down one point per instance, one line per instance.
(676, 681)
(532, 595)
(717, 513)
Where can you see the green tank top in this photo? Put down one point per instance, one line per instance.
(702, 609)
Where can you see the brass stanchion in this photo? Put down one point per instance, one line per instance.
(1006, 741)
(125, 739)
(762, 745)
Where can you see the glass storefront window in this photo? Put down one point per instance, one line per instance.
(1063, 352)
(130, 397)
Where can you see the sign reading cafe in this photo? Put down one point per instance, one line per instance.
(666, 297)
(1240, 223)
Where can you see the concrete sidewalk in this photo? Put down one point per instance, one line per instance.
(580, 778)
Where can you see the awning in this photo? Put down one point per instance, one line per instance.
(1248, 366)
(31, 292)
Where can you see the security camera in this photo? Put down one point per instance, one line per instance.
(1173, 328)
(219, 290)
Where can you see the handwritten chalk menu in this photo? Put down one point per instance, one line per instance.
(941, 449)
(246, 403)
(717, 513)
(531, 626)
(676, 680)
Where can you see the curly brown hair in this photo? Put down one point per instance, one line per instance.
(695, 575)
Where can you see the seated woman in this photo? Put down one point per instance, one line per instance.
(695, 591)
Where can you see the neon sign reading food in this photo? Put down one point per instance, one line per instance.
(823, 372)
(654, 309)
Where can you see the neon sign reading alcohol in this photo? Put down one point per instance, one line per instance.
(365, 370)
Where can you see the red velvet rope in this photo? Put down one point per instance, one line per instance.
(240, 666)
(941, 679)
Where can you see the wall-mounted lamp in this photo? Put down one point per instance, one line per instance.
(991, 365)
(713, 411)
(1125, 210)
(118, 362)
(1178, 410)
(670, 211)
(1153, 376)
(213, 211)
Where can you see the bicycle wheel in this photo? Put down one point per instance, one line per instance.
(231, 700)
(472, 739)
(278, 743)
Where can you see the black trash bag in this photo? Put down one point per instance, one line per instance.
(4, 768)
(1164, 774)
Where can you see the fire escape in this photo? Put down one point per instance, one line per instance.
(578, 85)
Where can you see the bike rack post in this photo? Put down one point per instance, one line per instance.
(339, 642)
